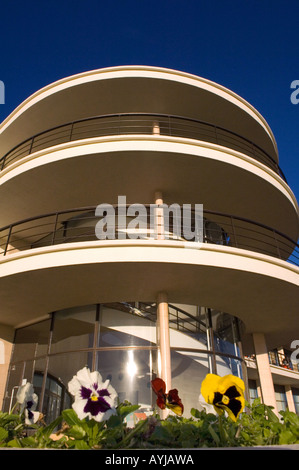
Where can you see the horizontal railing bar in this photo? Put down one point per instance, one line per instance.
(230, 232)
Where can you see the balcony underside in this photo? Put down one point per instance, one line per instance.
(96, 171)
(260, 290)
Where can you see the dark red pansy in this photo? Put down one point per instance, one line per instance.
(169, 400)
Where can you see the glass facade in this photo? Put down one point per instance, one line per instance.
(120, 341)
(281, 398)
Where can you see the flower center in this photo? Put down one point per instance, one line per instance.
(94, 397)
(225, 400)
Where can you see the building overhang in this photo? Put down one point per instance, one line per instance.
(262, 291)
(135, 89)
(95, 171)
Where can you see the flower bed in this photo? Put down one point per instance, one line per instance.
(97, 421)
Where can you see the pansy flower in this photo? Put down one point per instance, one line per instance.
(93, 398)
(28, 401)
(224, 393)
(169, 400)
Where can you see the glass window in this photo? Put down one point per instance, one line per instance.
(188, 370)
(15, 378)
(125, 328)
(296, 399)
(130, 372)
(281, 398)
(252, 390)
(31, 341)
(73, 329)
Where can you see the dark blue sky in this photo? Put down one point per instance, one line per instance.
(249, 46)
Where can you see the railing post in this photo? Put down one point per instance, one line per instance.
(55, 228)
(3, 162)
(8, 240)
(216, 135)
(234, 231)
(277, 245)
(71, 131)
(31, 146)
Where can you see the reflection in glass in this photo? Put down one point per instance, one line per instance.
(31, 341)
(124, 328)
(73, 329)
(130, 373)
(120, 341)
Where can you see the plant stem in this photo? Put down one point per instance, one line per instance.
(131, 434)
(221, 431)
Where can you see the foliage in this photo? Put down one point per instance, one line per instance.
(257, 426)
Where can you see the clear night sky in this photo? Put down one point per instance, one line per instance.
(249, 46)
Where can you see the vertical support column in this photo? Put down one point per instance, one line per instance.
(290, 399)
(210, 342)
(164, 341)
(159, 216)
(263, 365)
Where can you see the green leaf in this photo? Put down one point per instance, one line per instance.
(286, 437)
(196, 413)
(71, 417)
(114, 421)
(125, 410)
(3, 434)
(48, 430)
(77, 432)
(81, 445)
(214, 435)
(14, 443)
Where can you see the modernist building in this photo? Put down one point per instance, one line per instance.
(144, 299)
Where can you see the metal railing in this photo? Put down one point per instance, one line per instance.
(283, 360)
(139, 123)
(179, 319)
(75, 225)
(278, 359)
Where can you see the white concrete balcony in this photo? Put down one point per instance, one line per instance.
(261, 290)
(97, 170)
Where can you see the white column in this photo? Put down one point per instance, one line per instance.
(265, 376)
(290, 398)
(159, 216)
(164, 339)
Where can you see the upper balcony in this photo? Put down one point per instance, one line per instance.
(144, 129)
(139, 123)
(136, 89)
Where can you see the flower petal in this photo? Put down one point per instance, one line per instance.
(224, 393)
(174, 402)
(209, 386)
(159, 387)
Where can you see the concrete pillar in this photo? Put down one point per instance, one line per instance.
(159, 216)
(263, 366)
(163, 339)
(290, 399)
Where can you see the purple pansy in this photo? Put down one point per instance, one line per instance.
(93, 398)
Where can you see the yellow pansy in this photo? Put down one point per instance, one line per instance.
(224, 393)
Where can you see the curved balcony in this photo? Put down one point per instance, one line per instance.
(79, 224)
(139, 123)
